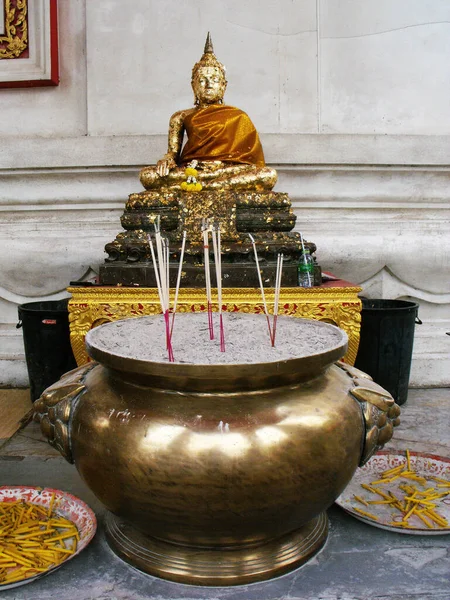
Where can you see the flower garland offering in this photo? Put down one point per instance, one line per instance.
(418, 502)
(191, 184)
(33, 540)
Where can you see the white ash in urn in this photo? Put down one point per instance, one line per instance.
(246, 339)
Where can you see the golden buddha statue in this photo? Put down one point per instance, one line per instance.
(218, 174)
(221, 139)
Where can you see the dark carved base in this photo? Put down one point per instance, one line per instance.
(267, 216)
(233, 275)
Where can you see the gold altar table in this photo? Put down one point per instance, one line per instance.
(334, 302)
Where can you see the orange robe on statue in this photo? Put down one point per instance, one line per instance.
(220, 132)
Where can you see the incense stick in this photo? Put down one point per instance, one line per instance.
(161, 265)
(177, 289)
(222, 331)
(205, 229)
(167, 258)
(277, 296)
(165, 266)
(161, 282)
(261, 285)
(215, 234)
(155, 268)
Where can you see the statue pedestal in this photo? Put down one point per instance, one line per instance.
(267, 216)
(335, 302)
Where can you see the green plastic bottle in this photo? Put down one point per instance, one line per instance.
(306, 270)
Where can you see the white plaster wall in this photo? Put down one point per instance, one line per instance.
(268, 48)
(384, 66)
(53, 111)
(351, 98)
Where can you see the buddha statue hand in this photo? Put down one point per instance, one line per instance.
(213, 175)
(380, 412)
(166, 164)
(54, 408)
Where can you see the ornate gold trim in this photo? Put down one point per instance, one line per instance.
(16, 28)
(106, 294)
(90, 307)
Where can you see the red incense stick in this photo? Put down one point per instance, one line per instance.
(160, 276)
(215, 234)
(177, 289)
(261, 286)
(222, 334)
(205, 228)
(168, 337)
(277, 296)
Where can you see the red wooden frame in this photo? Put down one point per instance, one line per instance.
(53, 76)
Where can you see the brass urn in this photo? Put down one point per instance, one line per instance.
(217, 474)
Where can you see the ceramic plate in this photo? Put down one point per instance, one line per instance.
(65, 505)
(425, 465)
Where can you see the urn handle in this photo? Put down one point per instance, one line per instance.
(54, 407)
(380, 412)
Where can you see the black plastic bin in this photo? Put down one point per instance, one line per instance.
(46, 337)
(386, 343)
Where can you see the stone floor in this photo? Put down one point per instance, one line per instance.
(14, 406)
(358, 562)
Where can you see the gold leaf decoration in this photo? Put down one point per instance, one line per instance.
(15, 40)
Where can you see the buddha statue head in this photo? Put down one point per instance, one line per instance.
(208, 77)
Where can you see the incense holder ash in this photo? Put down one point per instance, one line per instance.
(217, 468)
